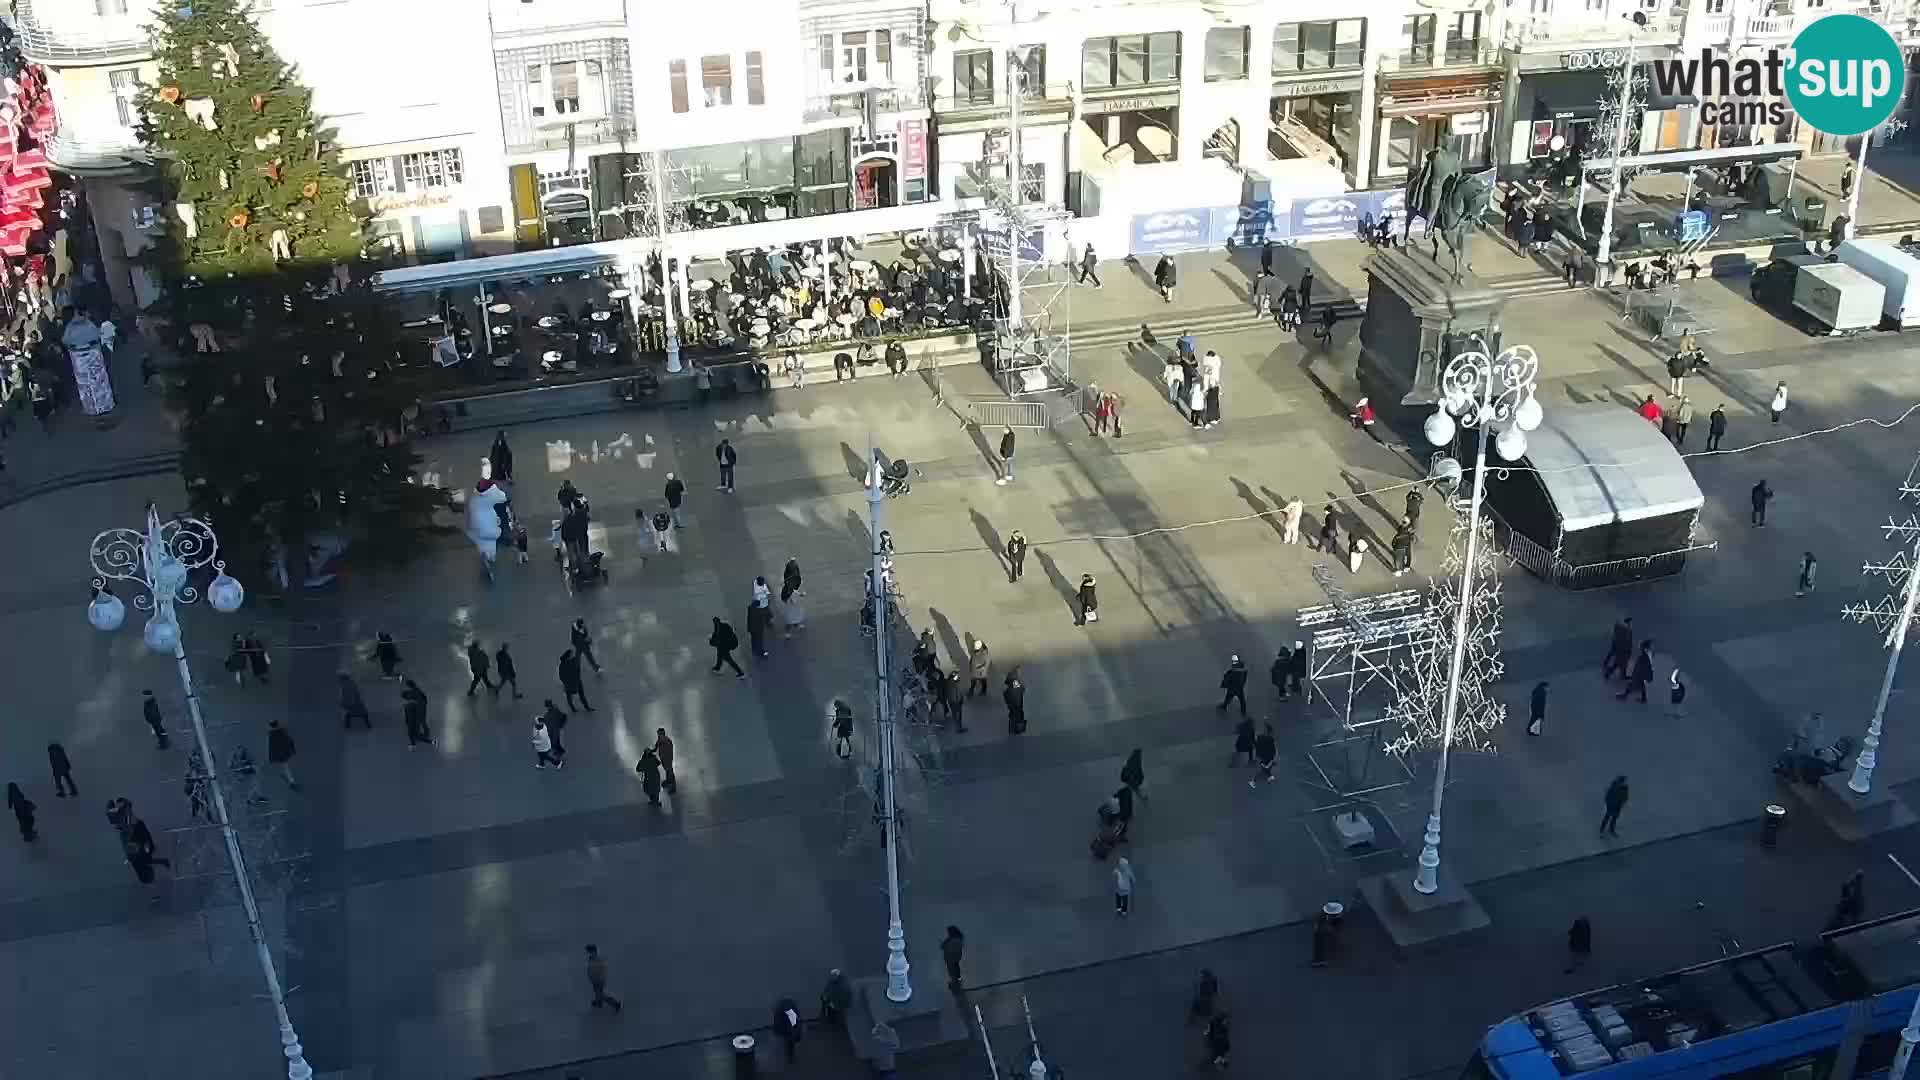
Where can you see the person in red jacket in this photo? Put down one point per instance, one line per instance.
(1651, 410)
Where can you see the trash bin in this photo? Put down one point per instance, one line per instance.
(1770, 825)
(744, 1065)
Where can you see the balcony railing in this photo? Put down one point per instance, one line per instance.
(1769, 26)
(1453, 54)
(96, 155)
(1717, 27)
(595, 132)
(1567, 31)
(106, 40)
(852, 104)
(1051, 97)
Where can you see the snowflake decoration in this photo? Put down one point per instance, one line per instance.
(1421, 709)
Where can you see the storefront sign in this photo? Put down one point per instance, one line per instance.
(1317, 87)
(410, 200)
(1339, 216)
(913, 149)
(1093, 106)
(1594, 59)
(1470, 123)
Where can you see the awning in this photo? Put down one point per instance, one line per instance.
(1602, 464)
(521, 264)
(1719, 155)
(1567, 93)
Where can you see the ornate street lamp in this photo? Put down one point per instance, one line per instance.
(162, 558)
(1494, 394)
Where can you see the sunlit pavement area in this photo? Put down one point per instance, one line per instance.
(432, 904)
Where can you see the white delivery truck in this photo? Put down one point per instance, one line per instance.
(1841, 299)
(1896, 271)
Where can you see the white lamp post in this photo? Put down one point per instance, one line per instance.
(1625, 108)
(899, 987)
(666, 262)
(161, 558)
(1492, 393)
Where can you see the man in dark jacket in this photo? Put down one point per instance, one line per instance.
(481, 668)
(896, 357)
(414, 713)
(1716, 427)
(1016, 555)
(570, 681)
(150, 709)
(728, 459)
(1762, 495)
(503, 661)
(1297, 675)
(724, 641)
(582, 642)
(1234, 683)
(676, 495)
(63, 784)
(1015, 695)
(1537, 709)
(1619, 649)
(1281, 671)
(280, 751)
(1006, 457)
(1642, 672)
(1616, 800)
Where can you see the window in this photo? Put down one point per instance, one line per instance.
(1036, 71)
(566, 88)
(432, 169)
(716, 79)
(756, 79)
(1319, 46)
(1132, 60)
(126, 84)
(1033, 182)
(973, 77)
(1418, 32)
(677, 78)
(562, 181)
(1402, 137)
(1463, 37)
(537, 89)
(371, 178)
(1716, 7)
(1227, 48)
(859, 58)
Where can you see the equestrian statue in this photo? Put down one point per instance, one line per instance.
(1426, 188)
(1462, 205)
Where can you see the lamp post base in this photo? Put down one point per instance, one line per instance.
(1413, 918)
(1854, 817)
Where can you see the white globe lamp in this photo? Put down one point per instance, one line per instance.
(1439, 428)
(162, 634)
(1529, 415)
(107, 612)
(1511, 445)
(226, 594)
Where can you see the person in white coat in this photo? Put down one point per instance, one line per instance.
(1779, 403)
(543, 754)
(1197, 403)
(1294, 510)
(1123, 886)
(1356, 554)
(483, 520)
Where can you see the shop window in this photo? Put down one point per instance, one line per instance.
(126, 86)
(1403, 141)
(1132, 60)
(432, 169)
(973, 77)
(566, 88)
(1227, 48)
(537, 90)
(370, 178)
(677, 79)
(716, 80)
(756, 79)
(1319, 46)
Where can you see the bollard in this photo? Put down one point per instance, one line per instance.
(1770, 825)
(744, 1065)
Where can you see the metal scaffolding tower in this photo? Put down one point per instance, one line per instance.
(1360, 659)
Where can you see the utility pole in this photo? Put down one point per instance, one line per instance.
(666, 262)
(899, 987)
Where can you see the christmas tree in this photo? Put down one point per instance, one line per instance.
(296, 427)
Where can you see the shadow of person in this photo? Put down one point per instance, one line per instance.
(1268, 512)
(1367, 499)
(990, 537)
(988, 452)
(1069, 592)
(949, 639)
(856, 462)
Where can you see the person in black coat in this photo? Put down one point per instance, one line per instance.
(1007, 445)
(1306, 293)
(1298, 674)
(1165, 277)
(1537, 708)
(150, 711)
(1281, 670)
(63, 784)
(1616, 800)
(1579, 944)
(1852, 906)
(724, 641)
(1016, 555)
(956, 698)
(1265, 752)
(786, 1025)
(1642, 673)
(1242, 741)
(385, 651)
(1619, 649)
(481, 668)
(503, 663)
(1234, 684)
(1133, 774)
(414, 712)
(582, 642)
(1089, 602)
(500, 457)
(570, 681)
(23, 811)
(1015, 695)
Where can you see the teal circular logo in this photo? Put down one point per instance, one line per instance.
(1847, 75)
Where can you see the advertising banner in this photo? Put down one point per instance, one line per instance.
(90, 380)
(1172, 230)
(1338, 216)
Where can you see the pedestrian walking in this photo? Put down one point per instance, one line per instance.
(1677, 370)
(1762, 494)
(1234, 684)
(724, 641)
(1779, 403)
(1356, 554)
(1642, 673)
(1116, 405)
(1165, 277)
(1016, 555)
(352, 705)
(57, 760)
(150, 710)
(727, 458)
(1306, 292)
(1123, 880)
(1537, 708)
(500, 459)
(1206, 995)
(1682, 420)
(1133, 774)
(1014, 693)
(1616, 800)
(1808, 567)
(385, 651)
(1290, 516)
(1329, 531)
(1676, 694)
(676, 495)
(953, 949)
(786, 1026)
(886, 1041)
(956, 699)
(1579, 944)
(1650, 411)
(1287, 313)
(1619, 649)
(1297, 674)
(582, 642)
(1414, 499)
(662, 526)
(1403, 549)
(414, 711)
(1716, 427)
(1281, 671)
(1219, 1039)
(236, 664)
(1570, 268)
(597, 978)
(840, 726)
(280, 750)
(979, 665)
(543, 754)
(1265, 752)
(663, 750)
(649, 769)
(1006, 457)
(570, 681)
(1210, 379)
(1089, 267)
(481, 668)
(509, 675)
(1849, 911)
(1242, 742)
(23, 812)
(1089, 601)
(258, 660)
(759, 619)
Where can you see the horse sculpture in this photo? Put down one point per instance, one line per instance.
(1463, 203)
(1426, 190)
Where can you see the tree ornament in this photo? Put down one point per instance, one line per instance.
(272, 170)
(200, 110)
(238, 219)
(231, 58)
(222, 178)
(310, 188)
(170, 95)
(271, 138)
(259, 103)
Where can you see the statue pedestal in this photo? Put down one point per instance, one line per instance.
(1417, 318)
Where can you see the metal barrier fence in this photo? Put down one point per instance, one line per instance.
(1015, 414)
(1549, 566)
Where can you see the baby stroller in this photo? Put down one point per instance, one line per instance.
(897, 480)
(591, 570)
(1110, 833)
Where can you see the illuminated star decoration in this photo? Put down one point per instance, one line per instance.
(1421, 709)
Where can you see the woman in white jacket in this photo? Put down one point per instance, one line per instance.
(483, 520)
